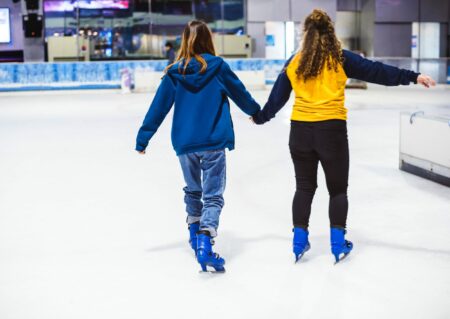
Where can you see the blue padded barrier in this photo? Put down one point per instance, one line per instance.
(101, 75)
(448, 75)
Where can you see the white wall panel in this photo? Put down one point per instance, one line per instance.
(276, 49)
(301, 8)
(268, 10)
(257, 31)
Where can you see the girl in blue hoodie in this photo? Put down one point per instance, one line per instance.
(199, 84)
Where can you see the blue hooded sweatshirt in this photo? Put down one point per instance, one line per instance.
(201, 119)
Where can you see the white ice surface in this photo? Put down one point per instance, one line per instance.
(91, 230)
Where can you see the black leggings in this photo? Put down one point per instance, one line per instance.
(325, 142)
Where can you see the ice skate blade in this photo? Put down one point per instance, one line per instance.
(212, 272)
(341, 259)
(298, 258)
(207, 269)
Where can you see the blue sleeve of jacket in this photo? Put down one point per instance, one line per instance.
(236, 90)
(280, 94)
(359, 68)
(161, 105)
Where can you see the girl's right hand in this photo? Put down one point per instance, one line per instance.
(426, 80)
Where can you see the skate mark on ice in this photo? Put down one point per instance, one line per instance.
(233, 245)
(403, 247)
(169, 246)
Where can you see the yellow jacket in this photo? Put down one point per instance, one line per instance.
(323, 98)
(318, 99)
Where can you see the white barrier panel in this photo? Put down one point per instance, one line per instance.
(254, 80)
(425, 146)
(148, 81)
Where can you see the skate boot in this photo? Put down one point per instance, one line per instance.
(193, 229)
(339, 245)
(300, 242)
(205, 255)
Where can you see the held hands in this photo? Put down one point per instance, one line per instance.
(426, 81)
(257, 118)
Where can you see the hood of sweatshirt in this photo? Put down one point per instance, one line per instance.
(193, 80)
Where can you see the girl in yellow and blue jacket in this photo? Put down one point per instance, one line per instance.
(318, 74)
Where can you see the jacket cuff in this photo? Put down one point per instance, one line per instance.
(413, 77)
(140, 148)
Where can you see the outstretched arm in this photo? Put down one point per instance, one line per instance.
(236, 91)
(280, 94)
(161, 105)
(359, 68)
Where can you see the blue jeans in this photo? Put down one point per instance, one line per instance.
(205, 177)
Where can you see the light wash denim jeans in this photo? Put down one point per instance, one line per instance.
(205, 177)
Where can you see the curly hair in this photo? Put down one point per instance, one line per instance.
(320, 46)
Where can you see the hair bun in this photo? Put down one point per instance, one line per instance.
(320, 19)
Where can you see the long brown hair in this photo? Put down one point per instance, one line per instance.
(197, 39)
(320, 46)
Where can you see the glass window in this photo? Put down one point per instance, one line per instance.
(233, 17)
(136, 29)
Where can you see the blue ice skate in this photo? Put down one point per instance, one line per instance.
(300, 243)
(339, 245)
(205, 256)
(193, 229)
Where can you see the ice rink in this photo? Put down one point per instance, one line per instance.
(89, 229)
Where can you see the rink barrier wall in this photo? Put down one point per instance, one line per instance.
(448, 75)
(424, 141)
(104, 75)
